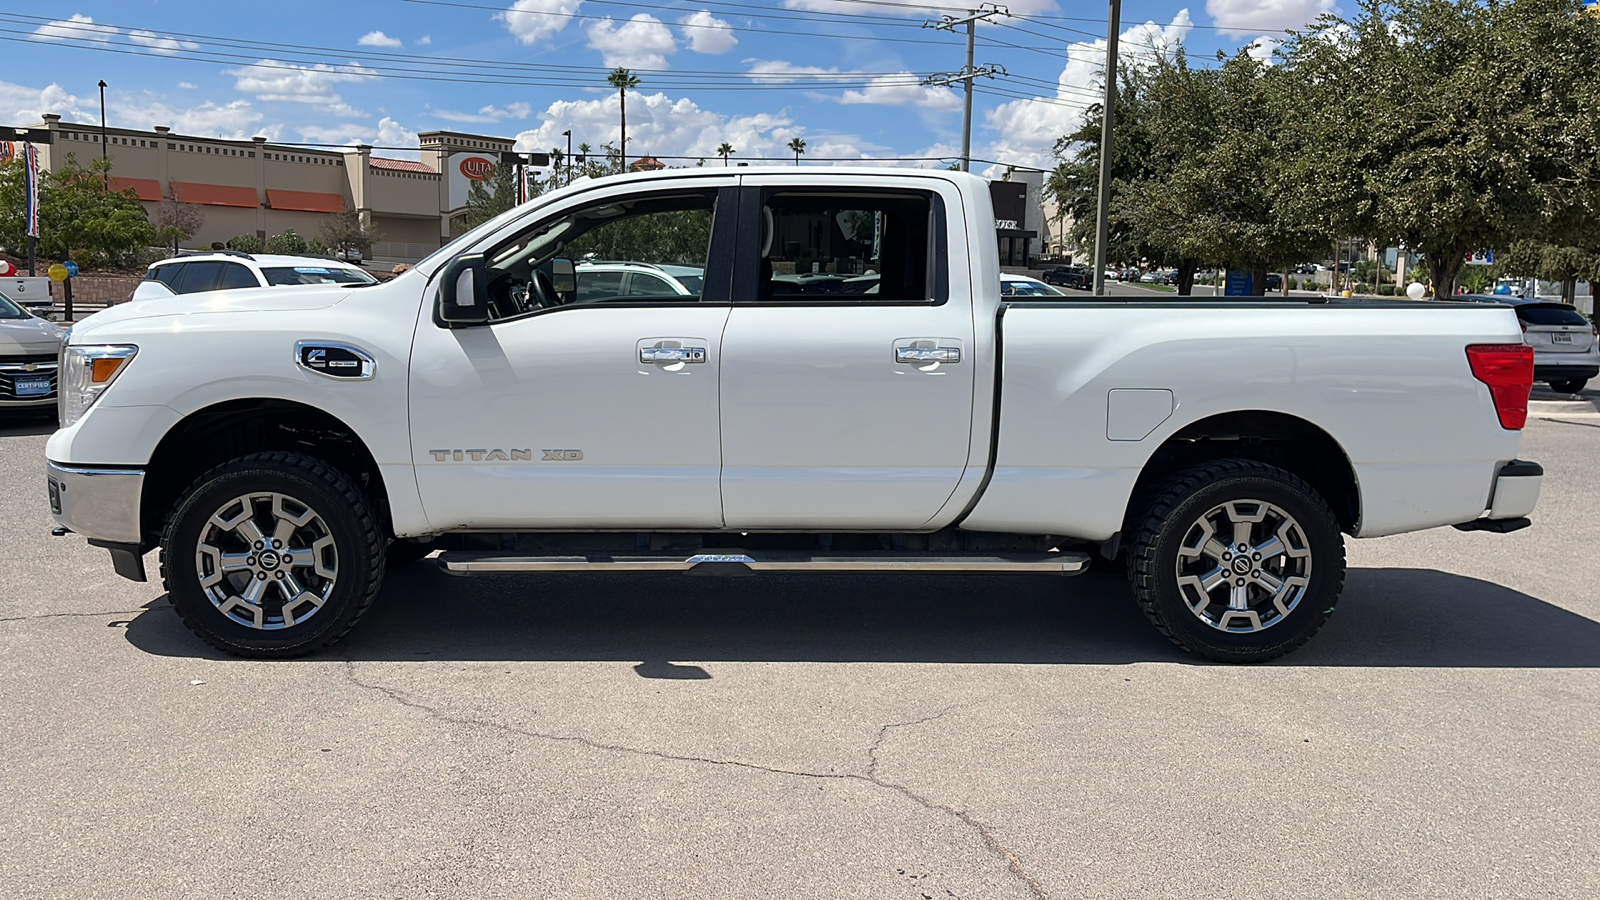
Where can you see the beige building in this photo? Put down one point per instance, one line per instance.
(260, 188)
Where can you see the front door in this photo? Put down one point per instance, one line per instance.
(847, 369)
(578, 407)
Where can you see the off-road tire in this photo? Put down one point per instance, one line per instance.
(339, 502)
(1174, 507)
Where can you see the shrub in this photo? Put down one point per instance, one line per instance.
(1388, 290)
(245, 243)
(288, 243)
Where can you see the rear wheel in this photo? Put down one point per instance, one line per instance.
(273, 555)
(1237, 561)
(1569, 385)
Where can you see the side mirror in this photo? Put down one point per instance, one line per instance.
(563, 275)
(464, 291)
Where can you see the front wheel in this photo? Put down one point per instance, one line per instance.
(1569, 385)
(1237, 561)
(272, 556)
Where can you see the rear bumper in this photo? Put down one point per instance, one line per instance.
(1515, 494)
(1584, 368)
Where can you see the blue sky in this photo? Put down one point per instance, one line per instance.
(841, 74)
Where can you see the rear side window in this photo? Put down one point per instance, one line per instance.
(1550, 314)
(315, 275)
(864, 247)
(167, 275)
(237, 276)
(197, 277)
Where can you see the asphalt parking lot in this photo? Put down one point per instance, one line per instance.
(973, 737)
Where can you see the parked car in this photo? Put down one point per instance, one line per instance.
(29, 346)
(1274, 282)
(284, 447)
(1566, 351)
(222, 270)
(1068, 276)
(29, 292)
(1150, 277)
(1023, 286)
(600, 281)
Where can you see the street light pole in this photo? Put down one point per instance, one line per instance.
(566, 161)
(103, 152)
(1102, 230)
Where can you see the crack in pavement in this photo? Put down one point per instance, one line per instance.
(83, 615)
(1013, 863)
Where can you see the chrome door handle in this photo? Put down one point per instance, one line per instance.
(672, 354)
(927, 354)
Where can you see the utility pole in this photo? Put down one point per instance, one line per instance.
(969, 72)
(567, 160)
(103, 157)
(1102, 228)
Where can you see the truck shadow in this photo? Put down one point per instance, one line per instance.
(1388, 617)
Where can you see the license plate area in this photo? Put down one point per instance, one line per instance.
(1560, 338)
(31, 385)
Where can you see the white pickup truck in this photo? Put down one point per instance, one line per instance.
(841, 388)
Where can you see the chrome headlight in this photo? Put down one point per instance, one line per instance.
(86, 371)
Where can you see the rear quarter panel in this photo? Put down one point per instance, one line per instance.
(1391, 384)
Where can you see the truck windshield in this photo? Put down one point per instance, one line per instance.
(315, 275)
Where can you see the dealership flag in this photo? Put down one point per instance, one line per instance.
(30, 174)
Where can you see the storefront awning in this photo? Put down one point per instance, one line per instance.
(147, 188)
(305, 201)
(215, 194)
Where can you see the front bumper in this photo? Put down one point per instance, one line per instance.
(99, 502)
(1514, 495)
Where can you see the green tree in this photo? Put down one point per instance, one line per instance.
(797, 146)
(491, 196)
(80, 217)
(1452, 127)
(343, 233)
(623, 79)
(177, 221)
(725, 150)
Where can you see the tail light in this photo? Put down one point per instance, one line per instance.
(1508, 371)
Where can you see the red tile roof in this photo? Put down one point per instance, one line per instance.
(403, 165)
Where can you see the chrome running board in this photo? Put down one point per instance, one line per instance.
(743, 562)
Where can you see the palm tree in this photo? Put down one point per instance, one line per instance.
(798, 146)
(622, 79)
(724, 150)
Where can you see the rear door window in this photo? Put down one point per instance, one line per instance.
(167, 275)
(237, 276)
(868, 247)
(197, 277)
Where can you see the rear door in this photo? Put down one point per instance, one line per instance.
(846, 410)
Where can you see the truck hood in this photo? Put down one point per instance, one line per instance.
(242, 300)
(28, 337)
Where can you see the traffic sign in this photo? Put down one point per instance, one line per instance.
(58, 272)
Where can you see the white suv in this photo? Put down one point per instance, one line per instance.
(610, 280)
(220, 270)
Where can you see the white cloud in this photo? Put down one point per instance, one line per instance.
(25, 105)
(79, 27)
(379, 39)
(1246, 16)
(488, 113)
(663, 127)
(186, 85)
(707, 33)
(642, 42)
(1028, 129)
(531, 21)
(425, 40)
(274, 82)
(161, 43)
(387, 133)
(777, 71)
(1261, 49)
(902, 89)
(234, 121)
